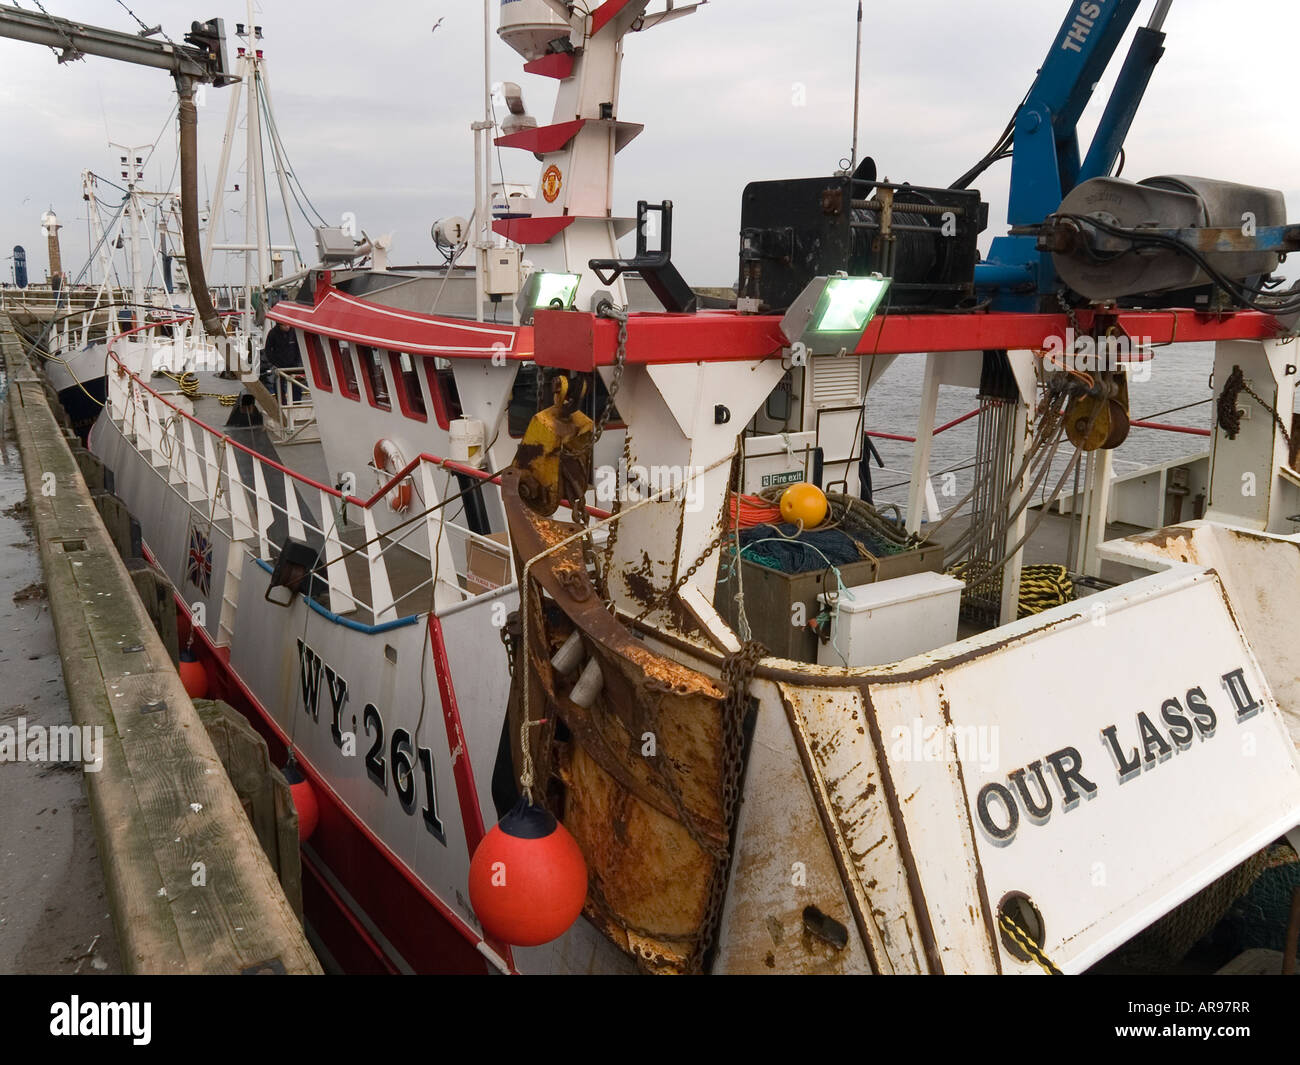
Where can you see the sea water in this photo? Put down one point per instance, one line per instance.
(1178, 374)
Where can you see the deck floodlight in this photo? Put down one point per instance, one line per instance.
(546, 290)
(295, 569)
(831, 314)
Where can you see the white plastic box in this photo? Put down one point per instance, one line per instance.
(892, 620)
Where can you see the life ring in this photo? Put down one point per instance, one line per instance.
(389, 461)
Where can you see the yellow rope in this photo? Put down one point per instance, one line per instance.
(71, 373)
(1027, 945)
(188, 383)
(1041, 586)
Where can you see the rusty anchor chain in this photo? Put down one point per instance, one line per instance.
(511, 633)
(606, 309)
(1229, 417)
(611, 539)
(600, 572)
(737, 674)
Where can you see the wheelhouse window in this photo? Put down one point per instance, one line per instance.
(320, 370)
(523, 400)
(347, 369)
(443, 391)
(376, 384)
(410, 397)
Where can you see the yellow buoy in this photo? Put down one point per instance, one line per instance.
(803, 502)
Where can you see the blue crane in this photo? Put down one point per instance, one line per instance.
(1043, 140)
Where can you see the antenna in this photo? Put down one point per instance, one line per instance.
(857, 93)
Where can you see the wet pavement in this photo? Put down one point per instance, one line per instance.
(54, 915)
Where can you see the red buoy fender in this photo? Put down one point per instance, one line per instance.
(194, 677)
(304, 801)
(527, 879)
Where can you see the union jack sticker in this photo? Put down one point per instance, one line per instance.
(198, 567)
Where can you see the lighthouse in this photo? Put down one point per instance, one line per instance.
(50, 226)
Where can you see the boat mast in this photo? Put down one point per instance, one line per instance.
(250, 89)
(223, 167)
(132, 171)
(483, 170)
(571, 220)
(857, 93)
(257, 258)
(98, 238)
(280, 164)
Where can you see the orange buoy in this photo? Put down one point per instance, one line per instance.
(193, 676)
(304, 801)
(804, 502)
(389, 462)
(527, 879)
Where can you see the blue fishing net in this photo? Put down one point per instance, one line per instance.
(813, 550)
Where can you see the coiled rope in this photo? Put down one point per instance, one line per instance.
(1042, 586)
(188, 383)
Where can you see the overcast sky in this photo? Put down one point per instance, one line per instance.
(374, 106)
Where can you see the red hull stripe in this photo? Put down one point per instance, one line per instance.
(393, 896)
(471, 815)
(346, 927)
(343, 317)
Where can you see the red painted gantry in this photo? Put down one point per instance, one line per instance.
(578, 341)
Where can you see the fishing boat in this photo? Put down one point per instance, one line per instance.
(73, 344)
(536, 567)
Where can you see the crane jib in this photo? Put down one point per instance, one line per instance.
(1084, 20)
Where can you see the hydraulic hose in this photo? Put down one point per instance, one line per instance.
(188, 116)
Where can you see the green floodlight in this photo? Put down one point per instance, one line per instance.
(545, 290)
(831, 313)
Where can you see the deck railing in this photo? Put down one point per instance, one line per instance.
(227, 483)
(231, 486)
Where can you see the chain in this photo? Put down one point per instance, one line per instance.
(597, 896)
(737, 674)
(703, 556)
(145, 29)
(1071, 316)
(589, 560)
(676, 587)
(608, 310)
(72, 52)
(509, 634)
(579, 504)
(611, 539)
(1230, 418)
(668, 778)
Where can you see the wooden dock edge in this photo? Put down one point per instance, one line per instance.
(189, 887)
